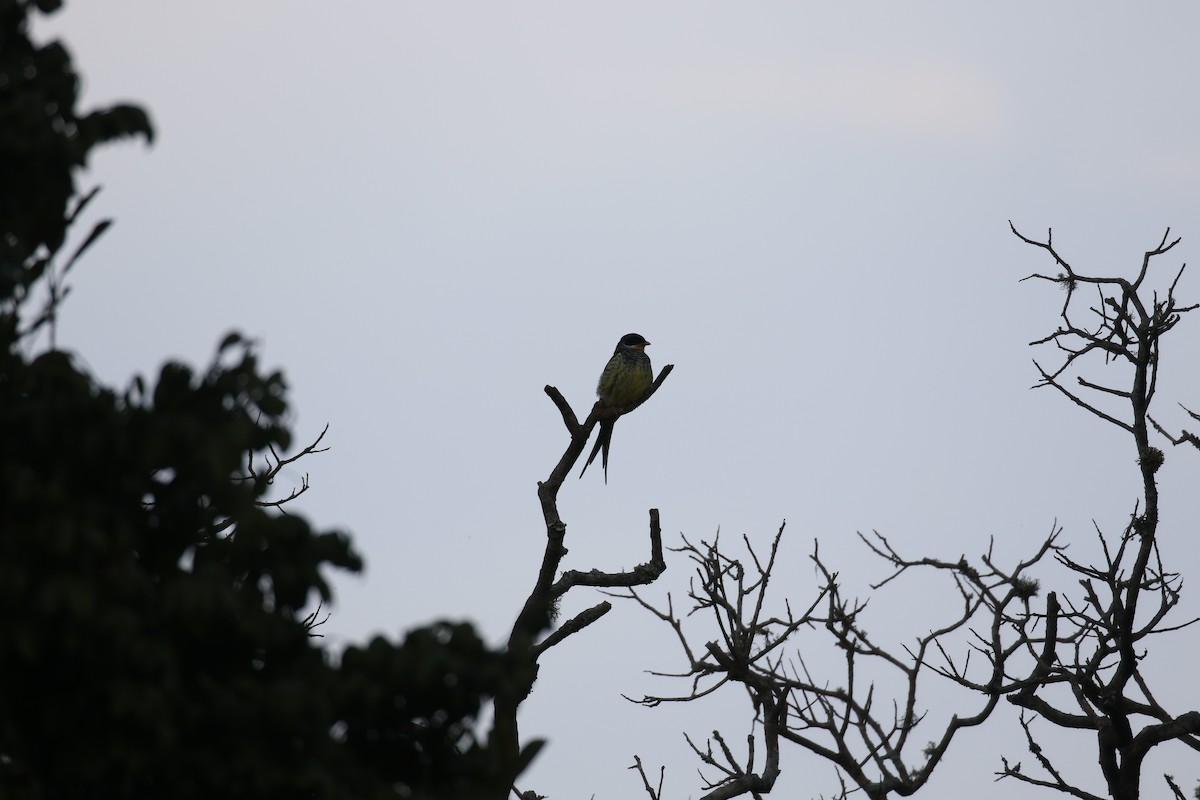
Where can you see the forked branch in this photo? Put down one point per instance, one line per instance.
(538, 613)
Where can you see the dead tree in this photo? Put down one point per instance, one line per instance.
(1087, 648)
(843, 718)
(1074, 661)
(526, 642)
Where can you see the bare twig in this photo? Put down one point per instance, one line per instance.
(655, 793)
(274, 463)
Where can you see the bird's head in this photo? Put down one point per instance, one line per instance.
(635, 340)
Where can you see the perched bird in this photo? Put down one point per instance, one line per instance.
(626, 378)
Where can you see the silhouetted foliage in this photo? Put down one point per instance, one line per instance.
(43, 141)
(158, 642)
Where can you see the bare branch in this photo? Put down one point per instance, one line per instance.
(1056, 782)
(572, 626)
(1090, 644)
(838, 720)
(539, 610)
(638, 576)
(654, 793)
(274, 464)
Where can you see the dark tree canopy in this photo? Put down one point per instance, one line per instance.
(44, 139)
(159, 638)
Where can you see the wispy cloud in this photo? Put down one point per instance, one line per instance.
(926, 100)
(917, 99)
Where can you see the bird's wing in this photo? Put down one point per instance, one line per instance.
(609, 378)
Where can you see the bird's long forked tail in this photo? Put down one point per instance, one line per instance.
(603, 440)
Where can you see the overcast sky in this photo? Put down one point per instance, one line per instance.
(425, 212)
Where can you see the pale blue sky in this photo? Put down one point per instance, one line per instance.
(427, 211)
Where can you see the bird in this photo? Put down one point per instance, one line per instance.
(626, 379)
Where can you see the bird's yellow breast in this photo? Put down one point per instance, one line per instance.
(626, 379)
